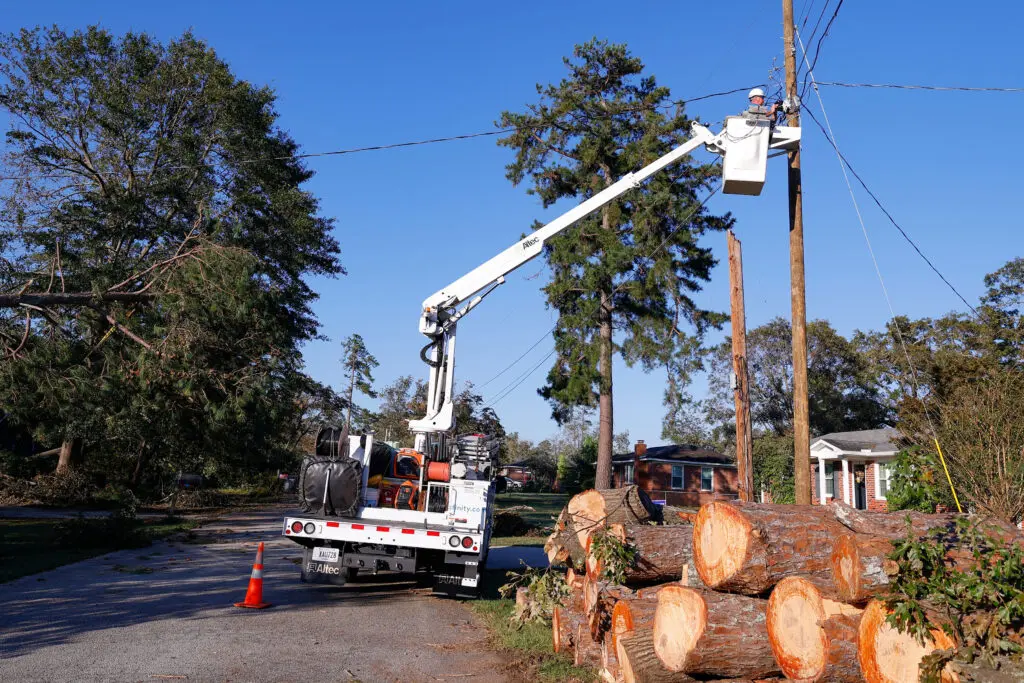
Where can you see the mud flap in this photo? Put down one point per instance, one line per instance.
(323, 565)
(459, 577)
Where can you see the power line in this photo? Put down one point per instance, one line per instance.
(395, 145)
(821, 40)
(888, 215)
(913, 371)
(509, 366)
(900, 86)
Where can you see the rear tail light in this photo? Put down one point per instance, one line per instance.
(467, 542)
(296, 527)
(309, 528)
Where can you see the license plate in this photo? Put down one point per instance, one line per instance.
(325, 554)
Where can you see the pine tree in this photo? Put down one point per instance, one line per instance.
(623, 278)
(359, 364)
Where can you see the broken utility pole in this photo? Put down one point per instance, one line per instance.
(741, 392)
(801, 423)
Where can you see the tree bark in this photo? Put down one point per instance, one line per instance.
(712, 634)
(638, 662)
(888, 656)
(596, 509)
(813, 639)
(749, 547)
(70, 456)
(351, 395)
(663, 553)
(606, 431)
(564, 628)
(861, 567)
(609, 662)
(897, 525)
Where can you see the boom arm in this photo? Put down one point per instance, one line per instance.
(440, 313)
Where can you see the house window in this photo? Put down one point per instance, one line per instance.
(677, 476)
(707, 478)
(627, 474)
(882, 474)
(830, 480)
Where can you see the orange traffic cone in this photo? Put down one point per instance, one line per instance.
(254, 596)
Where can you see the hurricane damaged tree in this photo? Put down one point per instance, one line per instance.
(154, 239)
(623, 277)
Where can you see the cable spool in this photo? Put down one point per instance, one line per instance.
(439, 471)
(331, 442)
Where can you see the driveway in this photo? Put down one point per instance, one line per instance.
(165, 613)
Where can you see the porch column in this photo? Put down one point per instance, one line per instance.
(846, 481)
(821, 482)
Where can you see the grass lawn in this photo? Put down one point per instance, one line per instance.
(500, 541)
(528, 648)
(546, 506)
(29, 546)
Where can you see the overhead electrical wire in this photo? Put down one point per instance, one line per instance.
(901, 86)
(381, 147)
(830, 136)
(821, 40)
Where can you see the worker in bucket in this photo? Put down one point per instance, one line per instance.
(757, 108)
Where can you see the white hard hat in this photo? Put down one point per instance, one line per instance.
(756, 92)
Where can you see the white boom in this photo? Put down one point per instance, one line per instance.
(440, 310)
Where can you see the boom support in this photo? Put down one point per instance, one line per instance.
(440, 310)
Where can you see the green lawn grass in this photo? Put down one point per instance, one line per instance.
(546, 506)
(528, 647)
(29, 546)
(501, 541)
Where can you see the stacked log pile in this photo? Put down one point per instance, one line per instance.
(735, 592)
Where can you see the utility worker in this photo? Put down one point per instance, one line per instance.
(756, 97)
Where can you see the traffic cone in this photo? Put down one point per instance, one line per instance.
(254, 596)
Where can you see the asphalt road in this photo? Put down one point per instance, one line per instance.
(165, 613)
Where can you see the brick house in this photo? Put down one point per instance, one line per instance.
(517, 471)
(853, 467)
(683, 475)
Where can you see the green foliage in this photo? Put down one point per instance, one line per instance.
(773, 467)
(968, 579)
(133, 173)
(917, 482)
(545, 589)
(359, 364)
(614, 555)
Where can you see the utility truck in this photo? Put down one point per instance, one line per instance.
(371, 507)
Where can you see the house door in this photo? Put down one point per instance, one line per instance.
(860, 490)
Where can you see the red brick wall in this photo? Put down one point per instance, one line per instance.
(656, 479)
(869, 478)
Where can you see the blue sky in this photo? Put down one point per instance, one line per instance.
(412, 220)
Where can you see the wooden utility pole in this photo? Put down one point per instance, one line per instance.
(741, 391)
(801, 423)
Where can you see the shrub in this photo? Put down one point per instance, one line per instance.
(510, 523)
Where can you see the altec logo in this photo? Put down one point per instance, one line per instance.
(322, 568)
(530, 242)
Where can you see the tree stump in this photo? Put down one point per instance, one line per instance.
(749, 547)
(814, 639)
(888, 656)
(638, 662)
(712, 634)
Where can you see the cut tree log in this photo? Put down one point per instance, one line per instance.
(749, 547)
(565, 628)
(638, 662)
(888, 656)
(632, 614)
(664, 553)
(596, 509)
(813, 638)
(610, 670)
(708, 634)
(861, 567)
(587, 652)
(896, 525)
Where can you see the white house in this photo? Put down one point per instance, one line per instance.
(853, 467)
